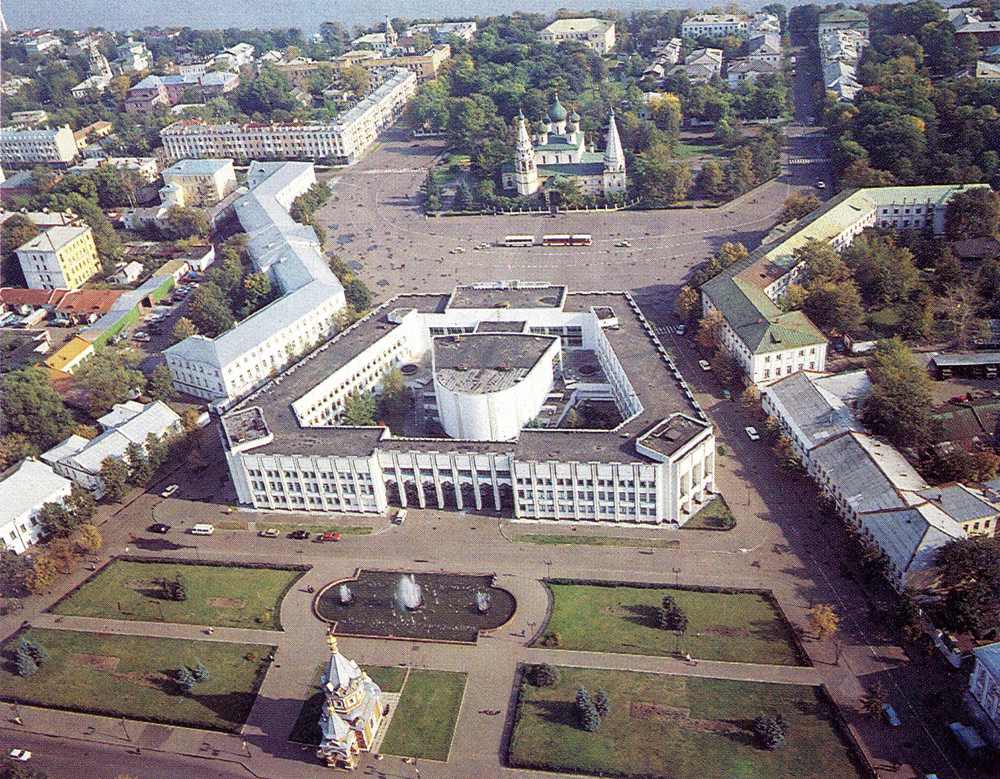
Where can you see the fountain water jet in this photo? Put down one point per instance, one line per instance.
(345, 594)
(409, 595)
(482, 602)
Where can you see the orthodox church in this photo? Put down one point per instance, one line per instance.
(352, 711)
(558, 149)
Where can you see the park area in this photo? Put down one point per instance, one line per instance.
(424, 721)
(216, 595)
(676, 726)
(744, 627)
(136, 677)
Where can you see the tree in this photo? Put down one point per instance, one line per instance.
(208, 310)
(947, 271)
(185, 222)
(359, 409)
(185, 680)
(570, 191)
(24, 663)
(970, 572)
(544, 675)
(661, 180)
(114, 475)
(824, 620)
(671, 616)
(111, 376)
(974, 213)
(687, 304)
(357, 294)
(14, 447)
(88, 538)
(81, 503)
(140, 471)
(15, 232)
(395, 399)
(586, 711)
(739, 171)
(357, 79)
(798, 205)
(42, 574)
(56, 519)
(750, 396)
(200, 672)
(161, 383)
(463, 197)
(257, 293)
(874, 699)
(15, 571)
(431, 191)
(835, 305)
(711, 181)
(31, 407)
(269, 91)
(771, 730)
(184, 328)
(602, 703)
(710, 326)
(900, 401)
(665, 109)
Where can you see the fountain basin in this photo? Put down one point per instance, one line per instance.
(449, 610)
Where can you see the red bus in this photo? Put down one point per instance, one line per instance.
(566, 240)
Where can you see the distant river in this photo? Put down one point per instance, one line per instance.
(305, 14)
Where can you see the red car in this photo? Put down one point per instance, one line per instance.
(332, 536)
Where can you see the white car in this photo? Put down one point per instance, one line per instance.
(703, 364)
(21, 755)
(624, 245)
(141, 337)
(752, 433)
(457, 250)
(170, 491)
(820, 185)
(681, 329)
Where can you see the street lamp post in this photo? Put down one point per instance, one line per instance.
(125, 731)
(677, 573)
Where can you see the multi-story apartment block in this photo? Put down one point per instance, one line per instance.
(232, 364)
(841, 19)
(425, 66)
(494, 368)
(715, 26)
(596, 34)
(200, 183)
(169, 90)
(346, 140)
(48, 145)
(766, 341)
(24, 489)
(63, 257)
(439, 32)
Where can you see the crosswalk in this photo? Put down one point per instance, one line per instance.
(807, 160)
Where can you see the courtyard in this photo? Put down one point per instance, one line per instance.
(676, 726)
(135, 677)
(732, 626)
(217, 595)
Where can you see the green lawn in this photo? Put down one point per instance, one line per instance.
(132, 676)
(306, 729)
(424, 722)
(739, 627)
(715, 515)
(685, 151)
(677, 726)
(222, 596)
(555, 538)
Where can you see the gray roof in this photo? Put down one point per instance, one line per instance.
(959, 502)
(481, 363)
(818, 414)
(989, 656)
(911, 537)
(962, 359)
(510, 297)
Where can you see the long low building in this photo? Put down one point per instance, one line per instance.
(344, 140)
(765, 340)
(869, 481)
(24, 489)
(232, 364)
(496, 375)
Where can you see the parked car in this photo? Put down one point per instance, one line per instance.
(703, 364)
(328, 536)
(141, 337)
(681, 329)
(752, 433)
(20, 755)
(400, 517)
(158, 527)
(820, 185)
(169, 491)
(623, 245)
(299, 535)
(271, 532)
(202, 529)
(727, 395)
(890, 715)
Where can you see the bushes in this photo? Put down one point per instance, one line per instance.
(551, 640)
(770, 730)
(544, 675)
(671, 616)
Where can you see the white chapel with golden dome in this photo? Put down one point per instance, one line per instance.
(352, 712)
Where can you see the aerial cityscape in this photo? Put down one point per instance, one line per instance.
(517, 393)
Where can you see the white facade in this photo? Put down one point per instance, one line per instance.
(230, 365)
(23, 491)
(145, 167)
(715, 26)
(596, 34)
(19, 146)
(984, 687)
(345, 140)
(62, 257)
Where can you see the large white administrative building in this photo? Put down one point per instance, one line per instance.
(230, 365)
(344, 140)
(497, 378)
(765, 340)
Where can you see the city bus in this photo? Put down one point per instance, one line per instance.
(566, 240)
(519, 240)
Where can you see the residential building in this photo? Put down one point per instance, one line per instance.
(235, 57)
(170, 89)
(716, 26)
(384, 42)
(425, 66)
(984, 33)
(596, 34)
(128, 273)
(559, 149)
(27, 146)
(90, 85)
(24, 489)
(700, 66)
(80, 459)
(765, 47)
(440, 32)
(988, 72)
(344, 140)
(146, 168)
(843, 20)
(41, 42)
(984, 691)
(28, 118)
(201, 183)
(133, 56)
(232, 364)
(12, 86)
(839, 53)
(352, 711)
(766, 341)
(59, 258)
(483, 356)
(71, 355)
(748, 71)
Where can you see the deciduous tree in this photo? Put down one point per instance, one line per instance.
(824, 620)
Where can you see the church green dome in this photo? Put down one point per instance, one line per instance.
(557, 113)
(574, 117)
